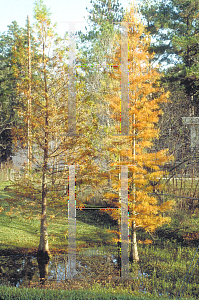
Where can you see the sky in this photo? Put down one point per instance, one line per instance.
(63, 11)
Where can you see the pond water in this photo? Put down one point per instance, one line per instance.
(17, 270)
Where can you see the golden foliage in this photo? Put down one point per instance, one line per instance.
(146, 242)
(135, 150)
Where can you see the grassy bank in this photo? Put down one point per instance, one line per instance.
(97, 293)
(162, 267)
(20, 232)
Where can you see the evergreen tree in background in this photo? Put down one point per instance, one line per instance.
(97, 47)
(102, 12)
(8, 118)
(174, 25)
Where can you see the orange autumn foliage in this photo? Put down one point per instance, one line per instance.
(136, 149)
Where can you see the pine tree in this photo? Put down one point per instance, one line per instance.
(174, 26)
(97, 46)
(136, 149)
(7, 88)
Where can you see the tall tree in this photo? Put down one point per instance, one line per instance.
(48, 117)
(174, 26)
(8, 97)
(53, 146)
(97, 46)
(136, 149)
(102, 13)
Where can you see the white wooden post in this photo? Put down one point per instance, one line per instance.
(193, 122)
(124, 223)
(71, 83)
(124, 80)
(71, 224)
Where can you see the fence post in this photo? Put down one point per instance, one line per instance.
(124, 222)
(71, 224)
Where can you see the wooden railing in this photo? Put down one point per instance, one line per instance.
(8, 172)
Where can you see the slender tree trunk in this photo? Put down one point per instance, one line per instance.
(43, 250)
(29, 100)
(134, 257)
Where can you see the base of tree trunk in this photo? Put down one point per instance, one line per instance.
(133, 259)
(43, 257)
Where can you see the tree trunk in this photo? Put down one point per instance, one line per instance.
(43, 250)
(29, 101)
(134, 257)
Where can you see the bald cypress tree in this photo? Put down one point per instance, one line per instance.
(44, 125)
(136, 149)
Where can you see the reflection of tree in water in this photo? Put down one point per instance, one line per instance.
(88, 267)
(43, 271)
(25, 270)
(18, 270)
(43, 268)
(97, 267)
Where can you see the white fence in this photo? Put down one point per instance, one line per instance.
(8, 172)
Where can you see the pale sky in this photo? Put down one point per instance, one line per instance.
(62, 11)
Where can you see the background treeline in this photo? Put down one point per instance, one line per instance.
(174, 28)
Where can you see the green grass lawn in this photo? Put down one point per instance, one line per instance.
(21, 232)
(96, 293)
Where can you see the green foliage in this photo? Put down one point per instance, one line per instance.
(165, 265)
(103, 13)
(174, 25)
(103, 10)
(41, 11)
(8, 97)
(96, 48)
(95, 293)
(34, 294)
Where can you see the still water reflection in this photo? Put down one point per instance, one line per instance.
(18, 270)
